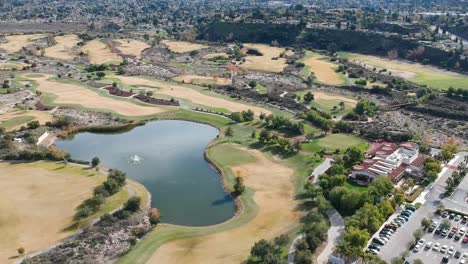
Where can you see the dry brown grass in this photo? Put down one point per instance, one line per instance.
(182, 46)
(274, 195)
(196, 97)
(214, 55)
(198, 79)
(63, 49)
(131, 47)
(40, 116)
(12, 66)
(100, 53)
(16, 42)
(324, 70)
(335, 97)
(265, 62)
(36, 205)
(75, 94)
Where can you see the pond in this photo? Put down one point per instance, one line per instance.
(167, 158)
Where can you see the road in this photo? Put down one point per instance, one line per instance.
(336, 231)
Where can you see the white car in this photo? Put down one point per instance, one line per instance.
(436, 247)
(385, 239)
(443, 249)
(429, 245)
(464, 256)
(451, 251)
(417, 248)
(421, 241)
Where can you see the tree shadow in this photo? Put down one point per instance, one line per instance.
(226, 199)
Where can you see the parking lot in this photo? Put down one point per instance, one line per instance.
(400, 240)
(429, 254)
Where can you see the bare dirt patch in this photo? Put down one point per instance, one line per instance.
(100, 53)
(323, 70)
(181, 92)
(269, 61)
(40, 116)
(182, 46)
(131, 47)
(274, 195)
(63, 49)
(75, 94)
(17, 42)
(36, 205)
(198, 79)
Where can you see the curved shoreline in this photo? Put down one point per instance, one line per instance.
(128, 127)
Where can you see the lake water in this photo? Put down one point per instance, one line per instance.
(167, 158)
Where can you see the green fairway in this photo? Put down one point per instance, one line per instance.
(16, 121)
(333, 142)
(261, 89)
(415, 72)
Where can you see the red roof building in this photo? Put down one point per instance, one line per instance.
(388, 159)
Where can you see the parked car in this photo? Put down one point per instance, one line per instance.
(457, 217)
(417, 248)
(464, 219)
(458, 254)
(444, 232)
(465, 239)
(430, 229)
(394, 227)
(411, 208)
(464, 256)
(378, 241)
(458, 236)
(372, 251)
(436, 246)
(429, 245)
(374, 246)
(444, 214)
(443, 249)
(452, 216)
(450, 235)
(445, 259)
(384, 238)
(438, 231)
(451, 251)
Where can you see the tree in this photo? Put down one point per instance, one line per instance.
(310, 81)
(100, 75)
(229, 132)
(33, 124)
(239, 186)
(342, 105)
(426, 223)
(254, 134)
(154, 216)
(418, 233)
(308, 97)
(352, 156)
(418, 261)
(303, 257)
(95, 161)
(21, 251)
(133, 204)
(354, 241)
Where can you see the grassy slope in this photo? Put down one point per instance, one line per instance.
(326, 105)
(425, 75)
(16, 121)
